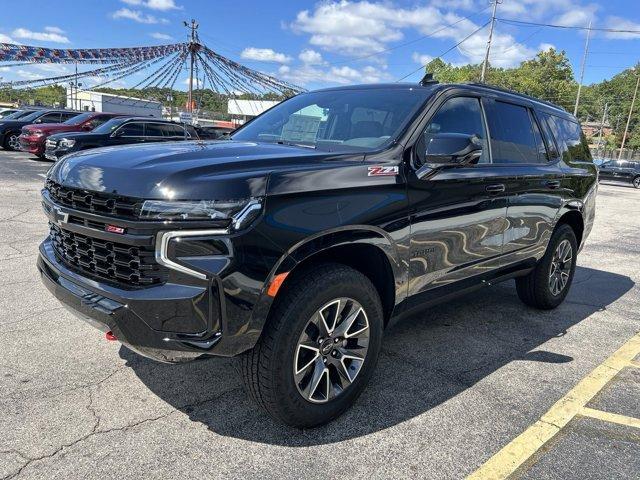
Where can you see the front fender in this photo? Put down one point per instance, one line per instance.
(321, 242)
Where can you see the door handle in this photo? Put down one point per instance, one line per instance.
(495, 189)
(553, 184)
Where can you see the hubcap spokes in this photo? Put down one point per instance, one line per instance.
(560, 270)
(14, 142)
(331, 350)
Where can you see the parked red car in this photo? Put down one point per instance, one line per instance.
(33, 137)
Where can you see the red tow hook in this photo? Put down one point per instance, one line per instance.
(110, 336)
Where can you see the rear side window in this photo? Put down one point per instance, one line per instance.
(50, 118)
(571, 141)
(153, 130)
(514, 136)
(172, 130)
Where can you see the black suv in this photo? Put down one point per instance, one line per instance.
(625, 171)
(11, 127)
(118, 131)
(298, 241)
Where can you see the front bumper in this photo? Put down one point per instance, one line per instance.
(136, 317)
(34, 145)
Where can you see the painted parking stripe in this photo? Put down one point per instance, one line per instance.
(525, 445)
(611, 417)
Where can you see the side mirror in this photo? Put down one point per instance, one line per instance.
(450, 149)
(118, 133)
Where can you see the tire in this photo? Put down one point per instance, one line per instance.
(269, 370)
(9, 142)
(538, 289)
(636, 182)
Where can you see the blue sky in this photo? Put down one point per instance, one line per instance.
(317, 44)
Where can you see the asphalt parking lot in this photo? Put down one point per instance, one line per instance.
(481, 384)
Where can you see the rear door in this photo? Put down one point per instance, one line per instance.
(534, 185)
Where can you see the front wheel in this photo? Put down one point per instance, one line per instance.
(319, 348)
(636, 182)
(12, 141)
(548, 284)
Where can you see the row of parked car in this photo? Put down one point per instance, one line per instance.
(53, 133)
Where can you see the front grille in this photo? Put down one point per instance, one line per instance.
(94, 202)
(115, 262)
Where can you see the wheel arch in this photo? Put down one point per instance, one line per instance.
(572, 215)
(366, 249)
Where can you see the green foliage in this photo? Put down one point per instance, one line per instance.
(549, 76)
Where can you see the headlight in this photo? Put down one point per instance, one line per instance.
(37, 133)
(240, 213)
(67, 143)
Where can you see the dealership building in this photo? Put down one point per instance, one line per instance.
(90, 101)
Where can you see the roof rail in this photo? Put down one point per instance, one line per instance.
(513, 92)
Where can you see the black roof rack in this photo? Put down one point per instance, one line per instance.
(513, 92)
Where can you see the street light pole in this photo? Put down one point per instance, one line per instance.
(486, 55)
(626, 129)
(194, 46)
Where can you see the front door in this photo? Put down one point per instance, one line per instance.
(458, 214)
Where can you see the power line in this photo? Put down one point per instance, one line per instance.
(448, 50)
(551, 25)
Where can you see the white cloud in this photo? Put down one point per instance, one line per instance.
(364, 28)
(49, 36)
(137, 16)
(543, 47)
(6, 39)
(421, 59)
(310, 57)
(54, 30)
(618, 23)
(161, 36)
(264, 55)
(162, 5)
(309, 74)
(574, 18)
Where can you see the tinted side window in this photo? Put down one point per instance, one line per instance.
(66, 116)
(172, 131)
(131, 130)
(456, 115)
(571, 140)
(153, 130)
(50, 118)
(97, 121)
(513, 139)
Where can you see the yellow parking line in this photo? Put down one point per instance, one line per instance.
(611, 417)
(525, 445)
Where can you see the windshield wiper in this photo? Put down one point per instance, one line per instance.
(291, 144)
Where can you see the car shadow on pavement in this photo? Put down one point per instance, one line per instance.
(426, 360)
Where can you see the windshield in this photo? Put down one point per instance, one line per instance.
(18, 114)
(32, 116)
(78, 119)
(110, 126)
(337, 119)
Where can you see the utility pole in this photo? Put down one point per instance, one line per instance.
(486, 55)
(626, 129)
(604, 117)
(194, 46)
(584, 61)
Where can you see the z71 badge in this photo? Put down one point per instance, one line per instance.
(380, 171)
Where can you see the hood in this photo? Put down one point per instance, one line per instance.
(75, 134)
(185, 170)
(52, 127)
(5, 124)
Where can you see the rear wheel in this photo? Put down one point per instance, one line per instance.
(636, 182)
(318, 349)
(548, 284)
